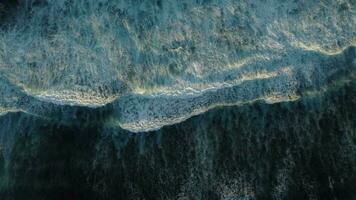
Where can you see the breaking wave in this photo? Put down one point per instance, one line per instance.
(154, 64)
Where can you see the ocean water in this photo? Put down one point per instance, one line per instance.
(205, 99)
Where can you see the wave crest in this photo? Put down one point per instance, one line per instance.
(158, 65)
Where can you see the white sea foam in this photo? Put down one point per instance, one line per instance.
(161, 64)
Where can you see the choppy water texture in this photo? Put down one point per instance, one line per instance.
(161, 62)
(124, 70)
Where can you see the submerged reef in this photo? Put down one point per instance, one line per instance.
(177, 99)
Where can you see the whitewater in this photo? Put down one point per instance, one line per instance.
(157, 63)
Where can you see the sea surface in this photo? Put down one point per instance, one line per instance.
(177, 99)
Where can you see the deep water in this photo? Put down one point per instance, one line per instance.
(293, 150)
